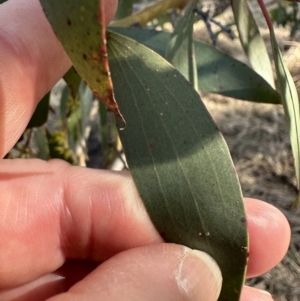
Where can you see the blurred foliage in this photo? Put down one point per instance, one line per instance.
(287, 14)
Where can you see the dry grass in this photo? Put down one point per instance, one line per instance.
(258, 140)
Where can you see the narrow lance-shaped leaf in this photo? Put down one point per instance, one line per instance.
(124, 8)
(79, 26)
(179, 160)
(40, 114)
(252, 41)
(41, 143)
(217, 72)
(289, 96)
(180, 50)
(73, 81)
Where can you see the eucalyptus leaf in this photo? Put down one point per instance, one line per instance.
(65, 108)
(40, 114)
(252, 41)
(73, 81)
(42, 144)
(290, 102)
(124, 8)
(79, 26)
(180, 50)
(217, 72)
(179, 160)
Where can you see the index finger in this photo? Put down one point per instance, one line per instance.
(53, 211)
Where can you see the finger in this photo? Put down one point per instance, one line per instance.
(150, 273)
(269, 236)
(51, 284)
(74, 271)
(32, 60)
(55, 211)
(52, 211)
(253, 294)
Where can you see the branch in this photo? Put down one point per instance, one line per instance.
(151, 12)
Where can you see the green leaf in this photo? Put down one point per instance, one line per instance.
(65, 107)
(290, 102)
(180, 51)
(179, 160)
(124, 8)
(217, 72)
(58, 146)
(79, 27)
(73, 81)
(42, 143)
(40, 114)
(252, 41)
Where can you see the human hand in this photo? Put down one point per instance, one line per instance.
(72, 233)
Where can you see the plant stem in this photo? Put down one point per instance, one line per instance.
(148, 14)
(266, 14)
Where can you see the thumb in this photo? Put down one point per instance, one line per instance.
(151, 273)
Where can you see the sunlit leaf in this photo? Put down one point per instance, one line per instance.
(252, 41)
(180, 51)
(217, 72)
(79, 27)
(58, 146)
(179, 160)
(289, 96)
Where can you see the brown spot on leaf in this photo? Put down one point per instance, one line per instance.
(96, 93)
(150, 145)
(84, 56)
(69, 22)
(95, 58)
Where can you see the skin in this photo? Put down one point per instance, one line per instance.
(70, 233)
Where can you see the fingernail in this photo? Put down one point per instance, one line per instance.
(199, 277)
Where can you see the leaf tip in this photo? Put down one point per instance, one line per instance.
(121, 118)
(296, 202)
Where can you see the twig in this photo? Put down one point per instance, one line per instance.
(149, 13)
(208, 20)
